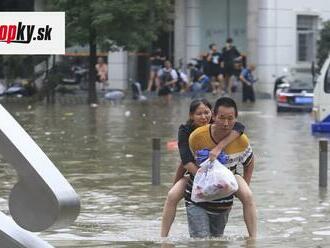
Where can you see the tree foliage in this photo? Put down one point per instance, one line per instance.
(125, 23)
(19, 66)
(130, 24)
(324, 44)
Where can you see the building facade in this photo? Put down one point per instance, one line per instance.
(275, 34)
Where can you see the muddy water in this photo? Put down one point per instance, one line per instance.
(105, 153)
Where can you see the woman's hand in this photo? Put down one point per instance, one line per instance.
(214, 153)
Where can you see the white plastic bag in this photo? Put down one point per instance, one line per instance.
(213, 181)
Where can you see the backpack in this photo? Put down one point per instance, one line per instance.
(165, 77)
(179, 75)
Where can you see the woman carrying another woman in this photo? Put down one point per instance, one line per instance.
(200, 114)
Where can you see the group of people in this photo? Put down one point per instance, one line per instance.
(218, 131)
(215, 71)
(163, 78)
(221, 66)
(224, 70)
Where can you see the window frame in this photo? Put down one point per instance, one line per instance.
(309, 32)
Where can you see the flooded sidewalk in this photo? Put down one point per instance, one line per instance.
(105, 153)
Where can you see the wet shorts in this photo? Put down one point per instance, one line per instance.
(164, 91)
(203, 224)
(229, 71)
(215, 71)
(155, 68)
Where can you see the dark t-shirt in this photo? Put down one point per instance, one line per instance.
(216, 59)
(214, 65)
(229, 55)
(157, 59)
(183, 140)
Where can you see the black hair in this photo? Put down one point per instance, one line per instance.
(196, 75)
(211, 45)
(226, 102)
(229, 40)
(195, 104)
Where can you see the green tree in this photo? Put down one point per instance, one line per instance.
(323, 44)
(108, 24)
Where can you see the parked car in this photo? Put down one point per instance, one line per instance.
(295, 93)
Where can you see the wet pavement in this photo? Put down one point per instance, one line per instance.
(105, 153)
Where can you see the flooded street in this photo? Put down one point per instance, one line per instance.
(105, 154)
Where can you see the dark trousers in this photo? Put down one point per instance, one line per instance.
(248, 93)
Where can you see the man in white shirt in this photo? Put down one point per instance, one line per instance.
(166, 79)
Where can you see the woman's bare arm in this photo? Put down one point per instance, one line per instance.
(214, 153)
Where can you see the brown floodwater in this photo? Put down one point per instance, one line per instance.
(105, 153)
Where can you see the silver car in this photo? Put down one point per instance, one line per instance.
(295, 93)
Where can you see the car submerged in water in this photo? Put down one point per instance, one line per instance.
(295, 92)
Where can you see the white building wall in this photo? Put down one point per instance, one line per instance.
(277, 42)
(192, 27)
(117, 70)
(221, 19)
(179, 33)
(199, 23)
(252, 30)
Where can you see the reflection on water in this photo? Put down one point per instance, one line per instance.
(105, 153)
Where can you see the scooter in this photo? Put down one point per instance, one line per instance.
(321, 106)
(78, 80)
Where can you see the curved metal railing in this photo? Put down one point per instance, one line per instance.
(42, 197)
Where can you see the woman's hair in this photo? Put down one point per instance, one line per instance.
(195, 104)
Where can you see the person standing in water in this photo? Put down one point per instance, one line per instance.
(199, 115)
